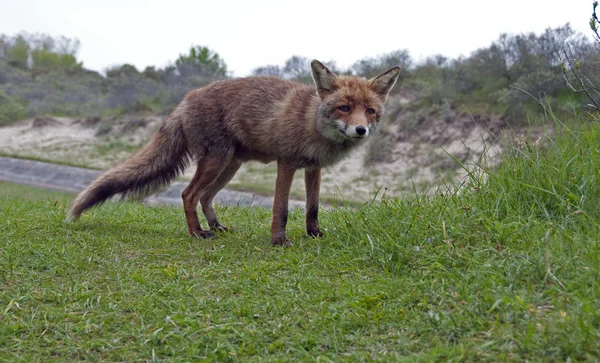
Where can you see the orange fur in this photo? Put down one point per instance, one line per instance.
(267, 119)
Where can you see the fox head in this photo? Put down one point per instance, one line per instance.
(351, 107)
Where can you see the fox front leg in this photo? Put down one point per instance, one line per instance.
(285, 175)
(312, 179)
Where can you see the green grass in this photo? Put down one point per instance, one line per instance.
(113, 146)
(32, 193)
(508, 268)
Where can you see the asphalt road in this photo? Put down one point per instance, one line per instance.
(73, 179)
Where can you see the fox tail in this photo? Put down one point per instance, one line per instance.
(156, 164)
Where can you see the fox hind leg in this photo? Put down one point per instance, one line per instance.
(206, 200)
(207, 172)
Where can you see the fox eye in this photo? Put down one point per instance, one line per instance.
(344, 108)
(370, 111)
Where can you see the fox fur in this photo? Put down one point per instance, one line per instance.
(222, 125)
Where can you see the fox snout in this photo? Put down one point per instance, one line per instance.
(353, 131)
(358, 132)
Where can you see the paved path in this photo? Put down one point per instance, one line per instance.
(73, 179)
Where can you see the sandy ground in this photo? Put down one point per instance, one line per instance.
(416, 160)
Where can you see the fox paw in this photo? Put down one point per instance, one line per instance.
(203, 234)
(314, 232)
(283, 242)
(220, 228)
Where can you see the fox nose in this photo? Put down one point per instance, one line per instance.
(361, 130)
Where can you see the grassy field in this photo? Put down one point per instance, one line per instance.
(505, 267)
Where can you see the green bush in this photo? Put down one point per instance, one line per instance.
(46, 59)
(10, 110)
(17, 53)
(204, 60)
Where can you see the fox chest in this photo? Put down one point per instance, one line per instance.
(305, 156)
(244, 154)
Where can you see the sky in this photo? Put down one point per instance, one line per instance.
(253, 33)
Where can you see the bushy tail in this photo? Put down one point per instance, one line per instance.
(156, 164)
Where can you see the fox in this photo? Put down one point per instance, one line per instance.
(261, 118)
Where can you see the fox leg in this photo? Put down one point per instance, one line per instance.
(312, 179)
(206, 200)
(207, 171)
(285, 175)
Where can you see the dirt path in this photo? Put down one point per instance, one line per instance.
(73, 179)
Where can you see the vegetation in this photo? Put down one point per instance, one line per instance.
(576, 73)
(40, 75)
(205, 59)
(502, 267)
(26, 193)
(490, 81)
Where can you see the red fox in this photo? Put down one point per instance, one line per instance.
(226, 123)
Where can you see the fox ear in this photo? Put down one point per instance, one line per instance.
(383, 83)
(323, 77)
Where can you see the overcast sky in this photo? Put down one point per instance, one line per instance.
(248, 34)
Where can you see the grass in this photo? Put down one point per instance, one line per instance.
(28, 193)
(111, 147)
(505, 268)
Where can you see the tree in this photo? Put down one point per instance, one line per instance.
(17, 52)
(268, 70)
(297, 67)
(371, 67)
(49, 52)
(125, 70)
(203, 59)
(39, 51)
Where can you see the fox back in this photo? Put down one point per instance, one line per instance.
(266, 118)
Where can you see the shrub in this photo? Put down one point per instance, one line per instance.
(10, 110)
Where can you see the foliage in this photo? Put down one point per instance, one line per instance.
(10, 109)
(498, 75)
(580, 70)
(371, 67)
(295, 68)
(202, 59)
(268, 70)
(40, 75)
(39, 51)
(16, 51)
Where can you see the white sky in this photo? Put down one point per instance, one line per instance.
(252, 33)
